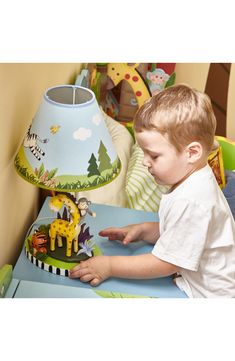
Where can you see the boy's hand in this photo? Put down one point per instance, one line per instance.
(95, 270)
(126, 234)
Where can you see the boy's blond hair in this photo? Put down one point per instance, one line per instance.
(183, 114)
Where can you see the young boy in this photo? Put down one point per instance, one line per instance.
(195, 237)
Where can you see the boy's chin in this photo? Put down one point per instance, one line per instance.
(159, 181)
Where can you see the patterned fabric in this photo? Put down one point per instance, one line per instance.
(142, 191)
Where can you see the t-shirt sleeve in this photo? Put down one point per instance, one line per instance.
(183, 235)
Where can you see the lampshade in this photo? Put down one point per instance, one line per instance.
(68, 147)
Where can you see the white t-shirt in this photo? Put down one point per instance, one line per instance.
(197, 233)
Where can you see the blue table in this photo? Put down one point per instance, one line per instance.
(107, 216)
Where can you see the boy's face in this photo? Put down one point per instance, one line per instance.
(164, 163)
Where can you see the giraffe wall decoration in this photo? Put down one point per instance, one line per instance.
(123, 71)
(129, 86)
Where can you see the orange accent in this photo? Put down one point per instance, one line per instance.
(215, 161)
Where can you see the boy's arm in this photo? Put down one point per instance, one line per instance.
(151, 232)
(145, 266)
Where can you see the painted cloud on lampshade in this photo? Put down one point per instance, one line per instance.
(96, 119)
(82, 133)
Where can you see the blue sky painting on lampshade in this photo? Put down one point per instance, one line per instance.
(68, 146)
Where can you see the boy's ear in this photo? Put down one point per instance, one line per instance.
(194, 152)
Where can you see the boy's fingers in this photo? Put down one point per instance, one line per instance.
(95, 282)
(126, 240)
(78, 270)
(107, 231)
(86, 278)
(112, 234)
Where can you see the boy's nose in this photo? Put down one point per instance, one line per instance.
(146, 162)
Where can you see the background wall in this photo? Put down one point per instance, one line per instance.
(22, 87)
(193, 74)
(231, 105)
(196, 75)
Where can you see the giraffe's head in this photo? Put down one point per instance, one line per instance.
(120, 71)
(55, 203)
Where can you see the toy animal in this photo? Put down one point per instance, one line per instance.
(157, 80)
(38, 242)
(61, 228)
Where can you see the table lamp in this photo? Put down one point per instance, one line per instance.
(67, 149)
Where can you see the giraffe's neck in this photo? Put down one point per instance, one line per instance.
(137, 85)
(75, 215)
(121, 71)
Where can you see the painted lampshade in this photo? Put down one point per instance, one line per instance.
(68, 147)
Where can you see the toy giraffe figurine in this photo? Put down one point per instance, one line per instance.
(123, 71)
(61, 228)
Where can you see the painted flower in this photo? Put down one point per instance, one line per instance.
(86, 247)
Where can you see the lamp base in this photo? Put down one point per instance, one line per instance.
(61, 245)
(53, 261)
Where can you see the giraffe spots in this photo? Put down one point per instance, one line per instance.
(127, 76)
(138, 93)
(135, 78)
(115, 70)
